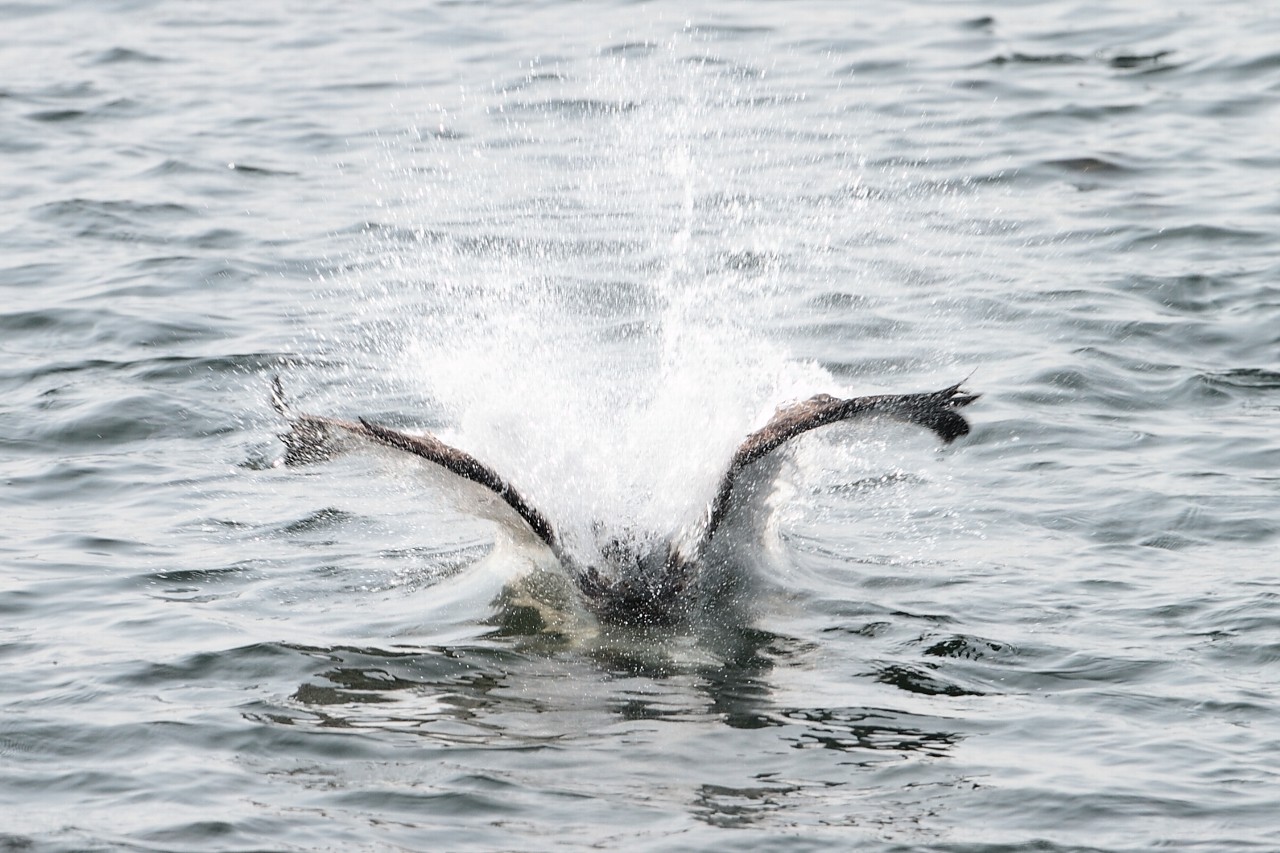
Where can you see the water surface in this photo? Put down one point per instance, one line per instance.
(596, 245)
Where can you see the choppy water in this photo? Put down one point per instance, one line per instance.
(596, 244)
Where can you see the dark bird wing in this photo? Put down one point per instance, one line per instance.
(934, 410)
(313, 438)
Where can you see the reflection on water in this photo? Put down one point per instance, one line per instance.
(479, 694)
(618, 696)
(867, 731)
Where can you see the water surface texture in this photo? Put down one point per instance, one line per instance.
(596, 245)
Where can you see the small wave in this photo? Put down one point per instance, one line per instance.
(319, 520)
(1036, 59)
(866, 730)
(57, 116)
(259, 171)
(1138, 60)
(118, 55)
(1199, 235)
(575, 107)
(923, 679)
(630, 49)
(1242, 379)
(1121, 61)
(729, 31)
(1088, 165)
(116, 220)
(965, 647)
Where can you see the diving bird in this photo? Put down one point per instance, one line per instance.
(635, 586)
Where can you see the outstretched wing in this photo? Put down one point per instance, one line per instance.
(313, 438)
(467, 466)
(934, 410)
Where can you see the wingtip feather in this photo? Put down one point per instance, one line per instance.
(278, 401)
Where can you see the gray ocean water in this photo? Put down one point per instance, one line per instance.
(596, 245)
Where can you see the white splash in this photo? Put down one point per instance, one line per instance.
(582, 271)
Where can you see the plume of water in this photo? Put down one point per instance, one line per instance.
(584, 270)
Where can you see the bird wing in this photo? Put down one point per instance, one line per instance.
(313, 438)
(933, 410)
